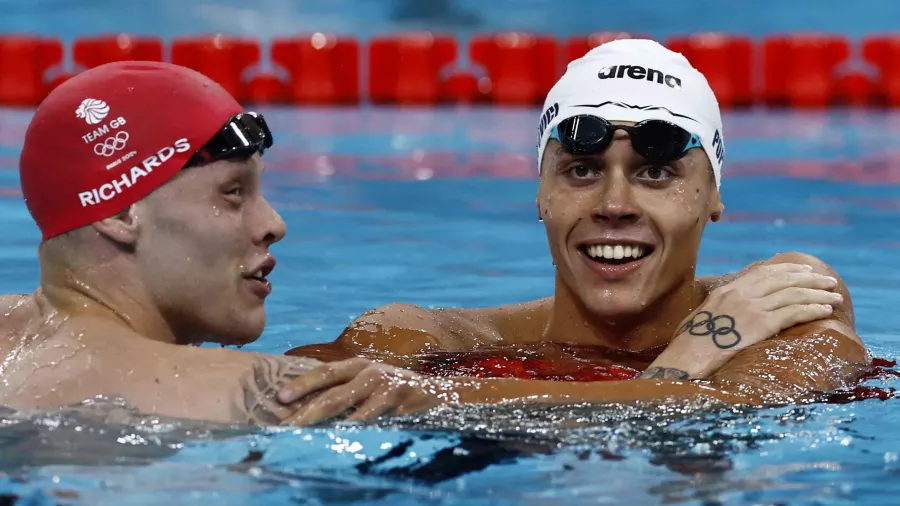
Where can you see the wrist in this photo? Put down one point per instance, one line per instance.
(696, 357)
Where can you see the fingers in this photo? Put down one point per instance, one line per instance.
(376, 391)
(403, 397)
(376, 406)
(752, 277)
(323, 376)
(333, 402)
(800, 296)
(797, 279)
(769, 270)
(789, 316)
(748, 288)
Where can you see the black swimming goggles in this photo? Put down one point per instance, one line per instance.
(243, 135)
(656, 140)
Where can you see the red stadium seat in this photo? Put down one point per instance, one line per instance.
(521, 67)
(265, 89)
(465, 88)
(222, 59)
(883, 52)
(58, 79)
(95, 51)
(855, 89)
(726, 61)
(576, 47)
(324, 69)
(23, 62)
(799, 70)
(405, 68)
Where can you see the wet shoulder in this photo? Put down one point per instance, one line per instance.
(406, 328)
(710, 283)
(18, 312)
(513, 323)
(45, 361)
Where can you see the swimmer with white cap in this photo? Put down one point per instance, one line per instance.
(631, 152)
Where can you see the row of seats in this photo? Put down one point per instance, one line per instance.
(804, 71)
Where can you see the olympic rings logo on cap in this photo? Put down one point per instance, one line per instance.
(112, 144)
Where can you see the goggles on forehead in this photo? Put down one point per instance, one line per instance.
(656, 140)
(244, 134)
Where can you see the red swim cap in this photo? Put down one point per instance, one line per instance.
(111, 135)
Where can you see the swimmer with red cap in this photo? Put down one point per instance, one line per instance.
(630, 151)
(144, 179)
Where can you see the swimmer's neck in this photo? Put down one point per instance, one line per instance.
(571, 322)
(103, 295)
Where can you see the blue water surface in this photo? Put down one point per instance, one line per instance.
(436, 207)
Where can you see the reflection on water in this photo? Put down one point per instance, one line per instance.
(105, 451)
(97, 432)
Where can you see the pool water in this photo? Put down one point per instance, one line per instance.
(436, 207)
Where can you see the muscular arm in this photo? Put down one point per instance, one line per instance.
(213, 384)
(815, 357)
(782, 370)
(254, 401)
(218, 385)
(398, 330)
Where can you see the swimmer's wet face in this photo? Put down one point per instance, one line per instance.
(203, 249)
(624, 231)
(155, 198)
(624, 218)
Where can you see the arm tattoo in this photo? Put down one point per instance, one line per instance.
(257, 403)
(664, 373)
(720, 327)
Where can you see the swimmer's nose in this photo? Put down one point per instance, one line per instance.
(274, 228)
(616, 204)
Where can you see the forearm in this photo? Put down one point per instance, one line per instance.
(493, 391)
(685, 359)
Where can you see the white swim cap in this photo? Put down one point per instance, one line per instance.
(635, 80)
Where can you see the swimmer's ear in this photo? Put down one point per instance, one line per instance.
(716, 206)
(717, 214)
(121, 228)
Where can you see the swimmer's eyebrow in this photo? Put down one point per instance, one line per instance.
(563, 156)
(252, 166)
(244, 170)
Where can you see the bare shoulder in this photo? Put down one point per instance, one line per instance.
(842, 321)
(406, 329)
(17, 310)
(216, 384)
(842, 314)
(67, 360)
(516, 323)
(12, 302)
(48, 361)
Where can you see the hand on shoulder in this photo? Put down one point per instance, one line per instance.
(790, 295)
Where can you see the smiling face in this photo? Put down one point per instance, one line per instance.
(623, 232)
(203, 250)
